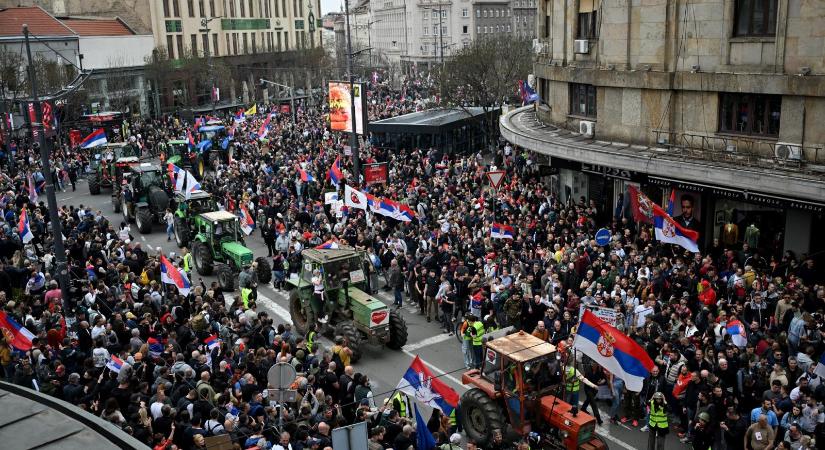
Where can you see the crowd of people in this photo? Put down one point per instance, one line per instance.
(175, 390)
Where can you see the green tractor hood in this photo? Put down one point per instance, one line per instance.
(237, 252)
(173, 159)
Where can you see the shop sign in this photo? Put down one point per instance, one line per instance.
(611, 172)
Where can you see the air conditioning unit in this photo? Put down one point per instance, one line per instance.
(581, 46)
(586, 128)
(787, 152)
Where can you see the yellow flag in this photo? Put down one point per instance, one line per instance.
(252, 111)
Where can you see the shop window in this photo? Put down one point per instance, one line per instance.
(583, 100)
(750, 114)
(755, 18)
(588, 20)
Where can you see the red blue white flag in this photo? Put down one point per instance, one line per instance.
(669, 231)
(613, 350)
(155, 347)
(14, 333)
(95, 139)
(330, 244)
(335, 173)
(170, 274)
(306, 177)
(115, 364)
(23, 228)
(247, 222)
(212, 342)
(737, 333)
(419, 382)
(501, 231)
(32, 189)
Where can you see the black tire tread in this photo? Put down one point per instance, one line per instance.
(476, 398)
(397, 330)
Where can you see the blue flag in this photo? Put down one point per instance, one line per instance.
(423, 438)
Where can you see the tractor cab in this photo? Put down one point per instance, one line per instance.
(198, 202)
(209, 132)
(517, 386)
(221, 226)
(218, 246)
(176, 150)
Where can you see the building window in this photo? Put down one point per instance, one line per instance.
(755, 18)
(426, 31)
(212, 12)
(508, 28)
(243, 8)
(485, 29)
(179, 39)
(465, 12)
(191, 5)
(234, 43)
(176, 7)
(170, 47)
(205, 44)
(478, 29)
(286, 38)
(165, 8)
(443, 30)
(201, 8)
(478, 13)
(245, 44)
(277, 13)
(588, 26)
(484, 13)
(231, 8)
(251, 14)
(464, 29)
(278, 37)
(751, 114)
(214, 48)
(193, 45)
(583, 100)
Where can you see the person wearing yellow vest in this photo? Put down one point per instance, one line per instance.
(657, 422)
(187, 262)
(572, 382)
(310, 338)
(477, 332)
(399, 403)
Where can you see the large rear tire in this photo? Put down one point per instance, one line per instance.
(300, 321)
(479, 416)
(264, 270)
(397, 330)
(94, 184)
(143, 220)
(181, 232)
(353, 336)
(202, 258)
(226, 278)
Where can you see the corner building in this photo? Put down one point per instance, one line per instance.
(720, 99)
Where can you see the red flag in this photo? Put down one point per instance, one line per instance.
(640, 205)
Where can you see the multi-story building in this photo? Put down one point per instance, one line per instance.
(492, 18)
(718, 99)
(524, 18)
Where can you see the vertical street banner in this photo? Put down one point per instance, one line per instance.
(340, 107)
(375, 173)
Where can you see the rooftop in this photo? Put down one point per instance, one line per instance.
(432, 117)
(39, 21)
(521, 346)
(219, 216)
(98, 27)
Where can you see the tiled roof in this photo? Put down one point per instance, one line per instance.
(98, 27)
(39, 21)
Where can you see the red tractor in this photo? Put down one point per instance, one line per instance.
(512, 390)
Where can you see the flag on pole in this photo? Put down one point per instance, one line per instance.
(354, 198)
(239, 118)
(335, 173)
(670, 231)
(305, 176)
(423, 438)
(170, 274)
(251, 111)
(419, 382)
(501, 231)
(264, 129)
(115, 364)
(32, 189)
(640, 205)
(96, 138)
(190, 140)
(192, 185)
(247, 222)
(155, 347)
(23, 228)
(613, 350)
(16, 335)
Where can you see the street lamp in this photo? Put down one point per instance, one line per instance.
(291, 92)
(440, 28)
(205, 29)
(369, 37)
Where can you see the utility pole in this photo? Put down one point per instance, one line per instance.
(38, 135)
(208, 49)
(353, 137)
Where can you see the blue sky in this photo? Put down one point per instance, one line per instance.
(331, 5)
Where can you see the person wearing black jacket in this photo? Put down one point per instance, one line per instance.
(596, 375)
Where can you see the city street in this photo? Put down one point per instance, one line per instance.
(441, 352)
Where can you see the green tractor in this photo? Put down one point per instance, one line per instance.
(215, 144)
(149, 198)
(352, 313)
(108, 164)
(179, 154)
(186, 211)
(218, 247)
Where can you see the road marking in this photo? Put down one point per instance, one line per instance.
(279, 310)
(603, 432)
(437, 339)
(143, 238)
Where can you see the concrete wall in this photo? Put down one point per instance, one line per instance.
(116, 51)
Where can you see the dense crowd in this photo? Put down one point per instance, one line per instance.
(174, 391)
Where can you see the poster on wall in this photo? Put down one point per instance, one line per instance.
(687, 210)
(340, 108)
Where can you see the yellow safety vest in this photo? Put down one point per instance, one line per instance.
(311, 341)
(479, 332)
(571, 381)
(452, 417)
(187, 262)
(245, 292)
(658, 419)
(402, 404)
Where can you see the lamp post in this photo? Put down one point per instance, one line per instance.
(440, 30)
(353, 137)
(369, 37)
(208, 49)
(291, 92)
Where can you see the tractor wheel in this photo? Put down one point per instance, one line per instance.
(202, 258)
(181, 232)
(398, 331)
(226, 278)
(297, 313)
(348, 330)
(143, 220)
(480, 415)
(199, 167)
(115, 203)
(94, 185)
(264, 270)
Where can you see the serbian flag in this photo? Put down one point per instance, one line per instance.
(264, 130)
(90, 272)
(405, 213)
(32, 188)
(192, 184)
(155, 347)
(239, 118)
(170, 274)
(95, 139)
(305, 176)
(669, 231)
(198, 123)
(335, 174)
(737, 333)
(23, 228)
(190, 139)
(613, 350)
(115, 364)
(640, 205)
(176, 176)
(247, 222)
(501, 231)
(419, 382)
(212, 342)
(16, 335)
(330, 244)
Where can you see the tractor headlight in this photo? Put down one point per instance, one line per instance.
(564, 434)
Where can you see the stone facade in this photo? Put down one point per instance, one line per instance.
(664, 64)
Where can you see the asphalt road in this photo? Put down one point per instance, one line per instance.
(441, 352)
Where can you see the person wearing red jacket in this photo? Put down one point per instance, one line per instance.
(708, 295)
